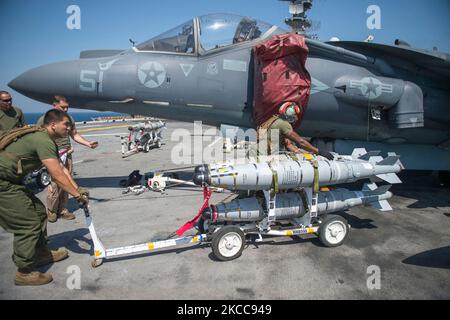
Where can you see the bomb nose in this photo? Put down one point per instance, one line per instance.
(201, 175)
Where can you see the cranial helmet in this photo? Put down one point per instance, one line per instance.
(289, 110)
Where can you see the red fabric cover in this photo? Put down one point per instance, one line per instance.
(190, 224)
(280, 76)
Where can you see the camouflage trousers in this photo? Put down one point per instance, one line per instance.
(23, 214)
(57, 198)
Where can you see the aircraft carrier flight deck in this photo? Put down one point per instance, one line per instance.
(407, 246)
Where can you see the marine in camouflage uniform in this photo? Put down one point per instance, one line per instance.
(21, 212)
(279, 128)
(10, 117)
(57, 198)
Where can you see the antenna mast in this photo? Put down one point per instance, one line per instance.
(299, 21)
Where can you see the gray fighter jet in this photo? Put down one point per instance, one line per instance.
(365, 95)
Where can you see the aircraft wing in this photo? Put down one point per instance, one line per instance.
(437, 62)
(330, 51)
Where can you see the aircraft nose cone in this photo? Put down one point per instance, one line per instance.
(19, 84)
(15, 84)
(44, 82)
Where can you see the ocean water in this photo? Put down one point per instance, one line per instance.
(32, 118)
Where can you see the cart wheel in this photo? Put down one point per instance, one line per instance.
(146, 147)
(155, 185)
(202, 225)
(228, 243)
(333, 231)
(43, 179)
(96, 263)
(158, 144)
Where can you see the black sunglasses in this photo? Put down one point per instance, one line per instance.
(9, 100)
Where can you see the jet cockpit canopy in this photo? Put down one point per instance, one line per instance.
(179, 39)
(214, 31)
(221, 30)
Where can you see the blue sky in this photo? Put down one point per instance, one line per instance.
(34, 32)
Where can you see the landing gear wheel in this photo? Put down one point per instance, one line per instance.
(228, 243)
(95, 263)
(333, 231)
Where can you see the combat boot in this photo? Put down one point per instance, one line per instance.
(52, 216)
(66, 215)
(27, 277)
(46, 256)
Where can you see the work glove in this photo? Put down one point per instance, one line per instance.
(83, 191)
(326, 154)
(82, 200)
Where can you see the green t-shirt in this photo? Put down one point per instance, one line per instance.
(62, 143)
(279, 127)
(31, 149)
(11, 119)
(283, 126)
